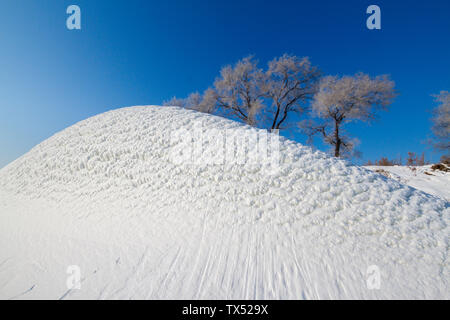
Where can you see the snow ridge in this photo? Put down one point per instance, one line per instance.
(105, 194)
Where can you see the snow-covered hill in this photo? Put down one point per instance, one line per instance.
(435, 182)
(106, 195)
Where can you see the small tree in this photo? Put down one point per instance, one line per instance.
(421, 160)
(175, 102)
(441, 122)
(346, 99)
(412, 159)
(445, 160)
(290, 82)
(384, 161)
(207, 103)
(195, 101)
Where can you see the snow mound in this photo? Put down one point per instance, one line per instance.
(106, 198)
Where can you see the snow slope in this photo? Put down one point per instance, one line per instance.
(434, 182)
(105, 195)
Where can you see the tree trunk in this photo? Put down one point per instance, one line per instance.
(274, 123)
(337, 140)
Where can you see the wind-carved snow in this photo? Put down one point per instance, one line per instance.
(106, 196)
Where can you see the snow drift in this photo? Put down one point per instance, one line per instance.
(104, 195)
(423, 178)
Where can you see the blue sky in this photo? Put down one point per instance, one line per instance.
(144, 52)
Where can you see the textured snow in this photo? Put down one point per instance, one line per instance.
(424, 178)
(104, 195)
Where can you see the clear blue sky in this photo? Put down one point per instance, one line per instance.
(143, 52)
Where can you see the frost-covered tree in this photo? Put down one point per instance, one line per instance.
(340, 100)
(246, 92)
(205, 102)
(174, 102)
(441, 122)
(238, 90)
(289, 84)
(208, 102)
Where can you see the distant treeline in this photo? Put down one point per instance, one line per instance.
(411, 160)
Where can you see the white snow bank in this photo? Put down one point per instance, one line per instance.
(424, 178)
(105, 196)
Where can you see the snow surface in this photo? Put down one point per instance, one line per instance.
(104, 195)
(424, 178)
